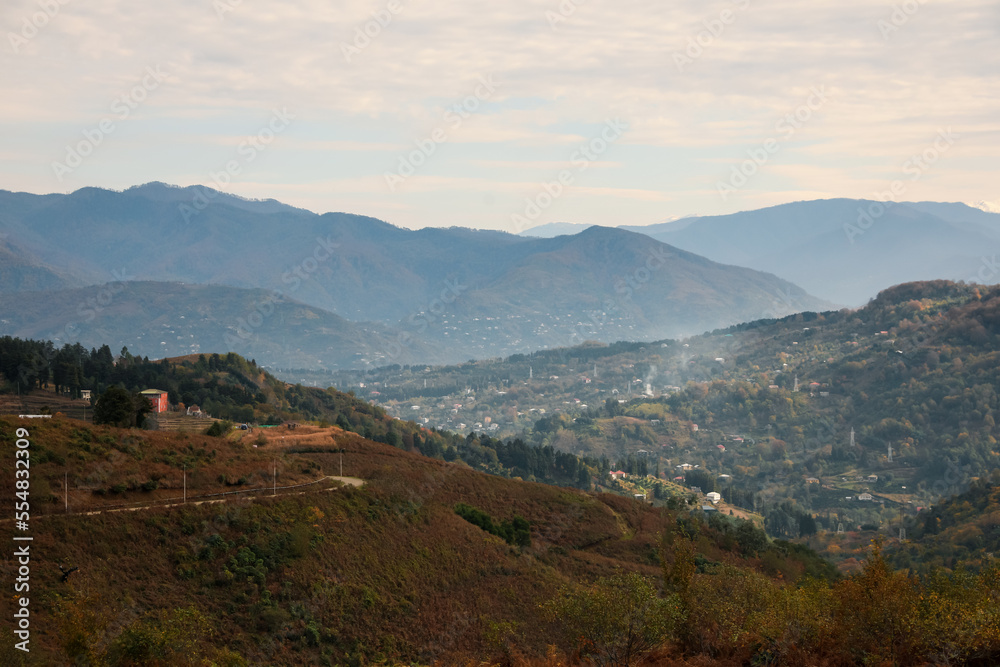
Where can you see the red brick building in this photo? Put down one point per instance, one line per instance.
(157, 397)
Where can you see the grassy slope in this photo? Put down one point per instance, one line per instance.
(385, 572)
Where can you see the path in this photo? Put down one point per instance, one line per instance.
(232, 495)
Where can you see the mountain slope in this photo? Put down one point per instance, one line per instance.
(391, 573)
(662, 291)
(462, 292)
(839, 251)
(169, 319)
(20, 271)
(798, 414)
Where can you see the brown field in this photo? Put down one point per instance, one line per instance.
(107, 467)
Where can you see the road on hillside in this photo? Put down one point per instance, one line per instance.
(237, 495)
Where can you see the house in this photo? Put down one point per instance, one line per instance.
(708, 509)
(85, 394)
(721, 448)
(872, 478)
(684, 466)
(864, 496)
(812, 480)
(618, 474)
(194, 411)
(713, 497)
(694, 428)
(639, 496)
(157, 397)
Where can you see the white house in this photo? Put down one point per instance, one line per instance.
(864, 496)
(713, 497)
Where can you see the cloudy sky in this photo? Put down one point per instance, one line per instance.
(506, 115)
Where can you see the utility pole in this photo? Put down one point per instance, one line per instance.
(274, 479)
(66, 490)
(185, 483)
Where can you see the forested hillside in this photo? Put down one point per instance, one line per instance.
(231, 388)
(792, 416)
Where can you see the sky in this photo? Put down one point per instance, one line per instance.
(506, 115)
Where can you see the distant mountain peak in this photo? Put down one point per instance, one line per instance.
(988, 206)
(552, 229)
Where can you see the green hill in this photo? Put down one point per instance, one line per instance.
(959, 532)
(914, 370)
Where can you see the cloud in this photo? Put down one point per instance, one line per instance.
(889, 92)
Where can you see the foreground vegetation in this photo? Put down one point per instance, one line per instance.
(396, 572)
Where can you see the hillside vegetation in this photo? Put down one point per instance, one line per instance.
(774, 402)
(391, 573)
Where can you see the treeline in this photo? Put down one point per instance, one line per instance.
(955, 533)
(231, 388)
(225, 386)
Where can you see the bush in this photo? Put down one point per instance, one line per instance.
(218, 429)
(516, 531)
(617, 620)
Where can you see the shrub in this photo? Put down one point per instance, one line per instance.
(516, 531)
(617, 620)
(218, 429)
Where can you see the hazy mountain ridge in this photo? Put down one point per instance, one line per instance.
(170, 319)
(466, 293)
(846, 250)
(843, 250)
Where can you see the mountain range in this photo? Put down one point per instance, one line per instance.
(432, 294)
(842, 250)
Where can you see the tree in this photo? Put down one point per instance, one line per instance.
(617, 620)
(116, 406)
(750, 539)
(807, 525)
